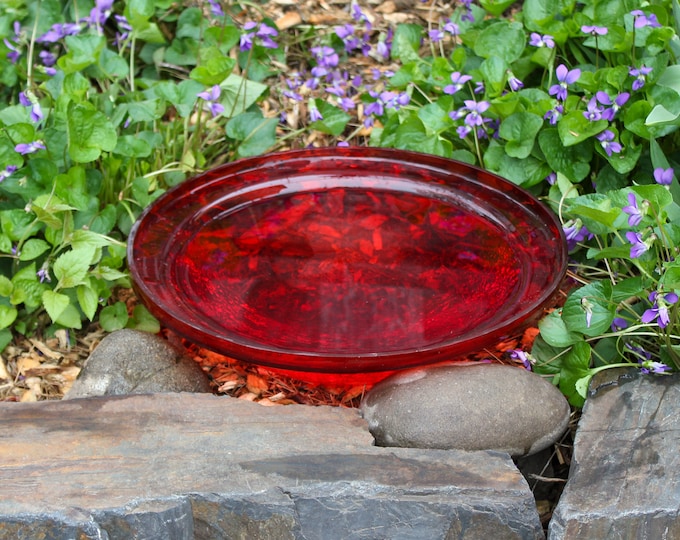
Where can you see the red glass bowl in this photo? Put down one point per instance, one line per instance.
(346, 260)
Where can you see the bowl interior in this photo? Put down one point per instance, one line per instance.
(346, 260)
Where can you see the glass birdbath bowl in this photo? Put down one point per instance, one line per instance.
(346, 260)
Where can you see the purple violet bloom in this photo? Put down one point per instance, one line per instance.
(215, 8)
(619, 101)
(593, 112)
(29, 148)
(451, 28)
(314, 114)
(479, 88)
(608, 143)
(638, 246)
(9, 171)
(554, 114)
(211, 97)
(526, 359)
(649, 366)
(29, 100)
(640, 75)
(574, 232)
(619, 323)
(13, 46)
(634, 214)
(99, 14)
(435, 35)
(475, 110)
(463, 131)
(457, 82)
(659, 309)
(594, 30)
(642, 20)
(551, 178)
(663, 176)
(515, 84)
(59, 31)
(44, 275)
(537, 40)
(565, 78)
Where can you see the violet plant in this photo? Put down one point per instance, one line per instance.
(109, 103)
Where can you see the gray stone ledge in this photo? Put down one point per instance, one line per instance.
(181, 466)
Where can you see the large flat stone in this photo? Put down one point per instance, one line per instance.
(181, 466)
(624, 480)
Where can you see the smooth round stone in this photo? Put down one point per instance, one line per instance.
(468, 407)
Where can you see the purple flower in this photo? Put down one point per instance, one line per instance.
(215, 8)
(634, 214)
(479, 88)
(593, 112)
(326, 58)
(515, 84)
(642, 20)
(457, 82)
(574, 232)
(9, 171)
(29, 148)
(537, 40)
(28, 99)
(638, 246)
(463, 131)
(262, 31)
(435, 35)
(619, 101)
(619, 323)
(608, 143)
(640, 75)
(649, 366)
(13, 46)
(551, 178)
(594, 30)
(99, 14)
(451, 27)
(565, 78)
(526, 359)
(475, 110)
(44, 275)
(59, 31)
(211, 97)
(314, 114)
(659, 309)
(663, 176)
(554, 114)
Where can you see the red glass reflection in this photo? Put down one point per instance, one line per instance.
(346, 260)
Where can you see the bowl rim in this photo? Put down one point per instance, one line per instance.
(256, 351)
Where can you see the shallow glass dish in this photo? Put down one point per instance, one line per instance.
(346, 260)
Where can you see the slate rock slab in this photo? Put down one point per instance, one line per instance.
(469, 407)
(198, 466)
(624, 480)
(133, 362)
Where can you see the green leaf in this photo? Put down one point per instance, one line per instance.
(503, 39)
(239, 94)
(590, 309)
(114, 317)
(32, 249)
(72, 188)
(89, 133)
(575, 128)
(8, 315)
(576, 374)
(88, 299)
(496, 7)
(71, 267)
(494, 70)
(406, 42)
(555, 332)
(255, 133)
(596, 211)
(435, 116)
(215, 67)
(143, 320)
(6, 286)
(132, 146)
(520, 130)
(55, 303)
(82, 51)
(573, 161)
(334, 119)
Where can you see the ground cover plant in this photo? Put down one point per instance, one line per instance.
(107, 104)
